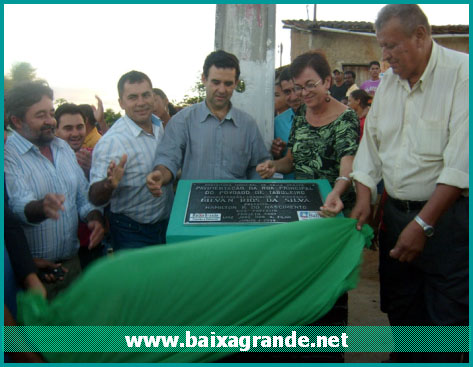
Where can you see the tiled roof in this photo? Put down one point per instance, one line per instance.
(365, 27)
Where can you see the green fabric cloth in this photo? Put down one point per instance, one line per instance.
(287, 274)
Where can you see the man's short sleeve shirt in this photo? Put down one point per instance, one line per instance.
(132, 197)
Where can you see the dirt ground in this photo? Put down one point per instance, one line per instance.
(363, 306)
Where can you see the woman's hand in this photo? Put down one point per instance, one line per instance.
(266, 169)
(332, 206)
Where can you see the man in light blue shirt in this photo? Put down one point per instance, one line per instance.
(211, 140)
(46, 186)
(283, 122)
(121, 160)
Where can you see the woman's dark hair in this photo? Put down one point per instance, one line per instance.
(316, 60)
(362, 96)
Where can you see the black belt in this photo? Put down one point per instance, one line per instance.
(407, 205)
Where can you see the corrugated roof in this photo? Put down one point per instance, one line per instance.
(365, 27)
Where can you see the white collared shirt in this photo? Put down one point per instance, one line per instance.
(29, 176)
(132, 197)
(417, 138)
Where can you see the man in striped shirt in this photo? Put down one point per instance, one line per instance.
(121, 160)
(46, 186)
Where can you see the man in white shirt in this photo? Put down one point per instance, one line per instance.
(121, 160)
(47, 189)
(416, 139)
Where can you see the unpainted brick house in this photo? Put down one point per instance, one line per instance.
(352, 45)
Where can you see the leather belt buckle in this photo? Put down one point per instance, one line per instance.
(407, 205)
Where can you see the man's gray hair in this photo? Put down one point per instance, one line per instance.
(410, 15)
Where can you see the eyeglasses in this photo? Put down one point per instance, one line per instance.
(309, 87)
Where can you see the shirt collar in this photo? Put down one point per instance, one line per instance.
(155, 120)
(203, 112)
(426, 75)
(23, 145)
(136, 130)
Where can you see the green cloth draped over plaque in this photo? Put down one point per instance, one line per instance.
(287, 274)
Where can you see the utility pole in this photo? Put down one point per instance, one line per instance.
(315, 13)
(248, 31)
(281, 48)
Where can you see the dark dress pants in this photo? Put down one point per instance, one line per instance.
(432, 289)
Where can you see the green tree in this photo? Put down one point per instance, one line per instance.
(7, 83)
(198, 96)
(22, 72)
(19, 72)
(200, 93)
(111, 116)
(60, 101)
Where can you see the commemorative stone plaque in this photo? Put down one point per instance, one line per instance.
(252, 203)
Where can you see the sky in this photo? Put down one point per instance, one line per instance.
(82, 50)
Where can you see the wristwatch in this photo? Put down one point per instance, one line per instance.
(428, 230)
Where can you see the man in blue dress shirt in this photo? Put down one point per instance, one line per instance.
(210, 140)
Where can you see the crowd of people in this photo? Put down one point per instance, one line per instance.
(70, 179)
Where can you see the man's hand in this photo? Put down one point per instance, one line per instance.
(48, 207)
(33, 283)
(101, 192)
(98, 111)
(410, 243)
(84, 158)
(115, 172)
(361, 212)
(52, 204)
(154, 181)
(97, 230)
(277, 147)
(47, 269)
(266, 169)
(332, 206)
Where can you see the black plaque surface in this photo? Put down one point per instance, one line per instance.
(252, 203)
